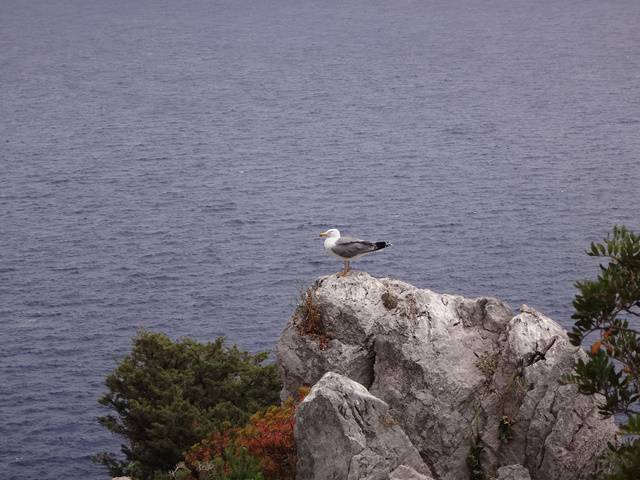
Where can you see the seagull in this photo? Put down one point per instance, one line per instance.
(348, 248)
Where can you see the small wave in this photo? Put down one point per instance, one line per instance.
(628, 121)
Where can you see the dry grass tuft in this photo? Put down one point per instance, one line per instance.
(310, 319)
(387, 421)
(487, 363)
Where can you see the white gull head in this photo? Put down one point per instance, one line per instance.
(331, 233)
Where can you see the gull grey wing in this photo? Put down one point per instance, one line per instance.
(351, 247)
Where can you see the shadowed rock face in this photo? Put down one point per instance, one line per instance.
(450, 368)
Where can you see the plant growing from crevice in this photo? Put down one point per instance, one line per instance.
(389, 300)
(474, 459)
(511, 396)
(505, 429)
(487, 363)
(310, 318)
(476, 448)
(609, 308)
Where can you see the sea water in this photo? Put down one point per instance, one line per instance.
(168, 165)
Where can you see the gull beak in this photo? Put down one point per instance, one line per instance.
(323, 234)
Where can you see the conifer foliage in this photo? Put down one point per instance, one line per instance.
(167, 396)
(609, 308)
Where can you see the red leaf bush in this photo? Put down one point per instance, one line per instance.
(267, 437)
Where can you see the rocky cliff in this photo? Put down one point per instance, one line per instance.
(465, 383)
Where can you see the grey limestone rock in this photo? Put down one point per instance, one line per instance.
(513, 472)
(407, 473)
(451, 368)
(343, 432)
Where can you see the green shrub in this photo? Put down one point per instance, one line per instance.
(609, 308)
(168, 395)
(234, 464)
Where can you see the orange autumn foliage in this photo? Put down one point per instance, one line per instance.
(268, 437)
(208, 449)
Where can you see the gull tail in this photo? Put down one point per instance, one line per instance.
(381, 245)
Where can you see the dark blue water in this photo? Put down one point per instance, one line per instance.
(168, 165)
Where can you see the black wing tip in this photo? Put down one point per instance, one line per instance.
(381, 245)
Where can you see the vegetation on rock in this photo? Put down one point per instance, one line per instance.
(232, 464)
(310, 318)
(167, 395)
(609, 307)
(474, 459)
(268, 438)
(389, 300)
(505, 429)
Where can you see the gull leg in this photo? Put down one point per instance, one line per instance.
(348, 267)
(343, 273)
